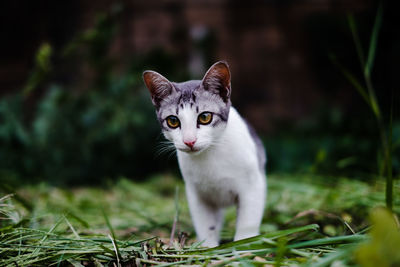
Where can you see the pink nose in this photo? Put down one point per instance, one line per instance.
(190, 143)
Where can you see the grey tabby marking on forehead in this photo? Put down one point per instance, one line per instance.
(187, 96)
(193, 95)
(187, 91)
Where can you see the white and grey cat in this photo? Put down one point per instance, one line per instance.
(220, 157)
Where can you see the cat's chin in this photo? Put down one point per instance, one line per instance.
(193, 151)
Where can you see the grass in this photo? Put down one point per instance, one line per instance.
(310, 221)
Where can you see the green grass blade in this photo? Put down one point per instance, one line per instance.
(245, 243)
(332, 257)
(356, 39)
(366, 67)
(25, 203)
(75, 263)
(329, 241)
(373, 42)
(389, 178)
(117, 252)
(72, 228)
(353, 80)
(77, 218)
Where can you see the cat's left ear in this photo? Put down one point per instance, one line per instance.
(218, 80)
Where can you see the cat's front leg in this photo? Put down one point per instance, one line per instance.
(250, 209)
(207, 219)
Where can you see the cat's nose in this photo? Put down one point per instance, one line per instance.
(190, 143)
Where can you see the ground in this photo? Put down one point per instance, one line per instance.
(130, 223)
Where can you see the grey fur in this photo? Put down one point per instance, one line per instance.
(261, 155)
(192, 94)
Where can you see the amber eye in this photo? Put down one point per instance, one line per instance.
(173, 122)
(204, 118)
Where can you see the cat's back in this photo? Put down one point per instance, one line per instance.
(261, 153)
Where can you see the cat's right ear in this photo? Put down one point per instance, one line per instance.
(158, 85)
(218, 80)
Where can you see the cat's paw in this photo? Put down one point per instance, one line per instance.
(209, 243)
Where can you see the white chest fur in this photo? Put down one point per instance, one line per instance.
(227, 173)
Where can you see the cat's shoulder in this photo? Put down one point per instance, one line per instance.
(239, 123)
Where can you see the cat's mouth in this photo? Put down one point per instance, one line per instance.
(192, 150)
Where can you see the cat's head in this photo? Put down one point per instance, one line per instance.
(192, 114)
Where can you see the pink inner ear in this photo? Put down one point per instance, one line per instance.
(222, 71)
(218, 75)
(149, 78)
(157, 84)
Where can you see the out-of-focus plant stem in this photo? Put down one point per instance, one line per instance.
(370, 97)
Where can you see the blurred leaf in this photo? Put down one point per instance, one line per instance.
(43, 57)
(41, 69)
(343, 163)
(330, 230)
(383, 248)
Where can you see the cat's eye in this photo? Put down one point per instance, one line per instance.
(204, 118)
(173, 122)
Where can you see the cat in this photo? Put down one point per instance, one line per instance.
(221, 158)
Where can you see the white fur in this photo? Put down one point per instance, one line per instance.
(224, 171)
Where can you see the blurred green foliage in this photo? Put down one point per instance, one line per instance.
(85, 115)
(76, 136)
(86, 130)
(331, 143)
(384, 246)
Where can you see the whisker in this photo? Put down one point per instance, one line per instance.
(165, 147)
(172, 153)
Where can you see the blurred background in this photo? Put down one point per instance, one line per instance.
(74, 109)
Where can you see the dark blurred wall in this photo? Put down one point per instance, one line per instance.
(24, 25)
(268, 44)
